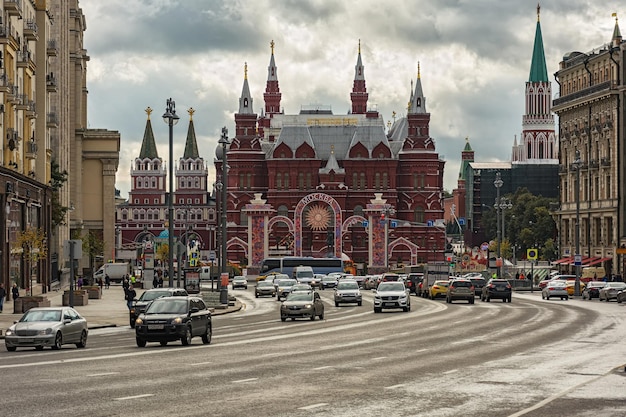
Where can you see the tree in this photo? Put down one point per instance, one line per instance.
(163, 253)
(33, 244)
(57, 180)
(93, 244)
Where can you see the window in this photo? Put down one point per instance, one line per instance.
(308, 180)
(286, 181)
(156, 201)
(244, 219)
(279, 181)
(241, 181)
(358, 210)
(385, 185)
(377, 181)
(418, 214)
(146, 201)
(363, 183)
(249, 180)
(355, 181)
(282, 211)
(300, 181)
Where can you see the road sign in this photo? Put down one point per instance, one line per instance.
(211, 255)
(393, 223)
(578, 260)
(365, 223)
(430, 223)
(462, 221)
(531, 254)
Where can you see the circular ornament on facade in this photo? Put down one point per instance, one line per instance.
(317, 218)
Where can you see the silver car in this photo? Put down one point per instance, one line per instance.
(348, 291)
(610, 290)
(555, 288)
(391, 294)
(47, 326)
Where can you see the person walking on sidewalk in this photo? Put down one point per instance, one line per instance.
(107, 281)
(130, 296)
(15, 292)
(3, 294)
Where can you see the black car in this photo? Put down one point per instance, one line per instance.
(496, 288)
(168, 319)
(592, 290)
(479, 283)
(139, 305)
(414, 280)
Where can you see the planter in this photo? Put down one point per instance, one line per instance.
(23, 304)
(93, 292)
(81, 298)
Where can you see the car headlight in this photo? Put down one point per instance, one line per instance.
(402, 296)
(307, 306)
(138, 322)
(177, 320)
(9, 332)
(376, 296)
(132, 310)
(44, 332)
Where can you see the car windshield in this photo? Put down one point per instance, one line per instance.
(329, 279)
(558, 283)
(596, 284)
(169, 306)
(347, 286)
(442, 283)
(392, 286)
(499, 282)
(153, 295)
(41, 315)
(287, 282)
(264, 284)
(299, 296)
(616, 284)
(462, 284)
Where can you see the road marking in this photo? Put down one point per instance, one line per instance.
(322, 367)
(379, 358)
(134, 397)
(200, 363)
(105, 374)
(313, 406)
(451, 371)
(244, 380)
(395, 386)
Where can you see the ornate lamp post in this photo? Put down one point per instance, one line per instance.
(224, 142)
(171, 119)
(498, 183)
(576, 165)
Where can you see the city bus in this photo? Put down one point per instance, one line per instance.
(286, 264)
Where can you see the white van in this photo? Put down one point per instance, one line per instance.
(303, 274)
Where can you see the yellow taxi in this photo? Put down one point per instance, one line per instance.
(262, 277)
(438, 289)
(570, 287)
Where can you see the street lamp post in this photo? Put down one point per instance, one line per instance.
(224, 142)
(498, 183)
(576, 164)
(171, 119)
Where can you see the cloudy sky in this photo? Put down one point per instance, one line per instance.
(474, 57)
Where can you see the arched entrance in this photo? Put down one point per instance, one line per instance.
(317, 221)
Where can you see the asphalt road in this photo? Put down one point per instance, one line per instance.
(527, 358)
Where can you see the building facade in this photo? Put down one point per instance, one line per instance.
(43, 124)
(590, 107)
(320, 184)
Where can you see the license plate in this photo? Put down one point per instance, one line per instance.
(27, 340)
(155, 327)
(390, 304)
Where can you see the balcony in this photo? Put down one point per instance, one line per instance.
(52, 120)
(4, 83)
(594, 163)
(13, 7)
(23, 58)
(51, 83)
(31, 149)
(12, 139)
(52, 49)
(604, 87)
(30, 30)
(605, 162)
(22, 102)
(12, 93)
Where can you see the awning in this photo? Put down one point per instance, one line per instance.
(597, 261)
(563, 261)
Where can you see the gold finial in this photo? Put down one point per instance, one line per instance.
(332, 148)
(359, 46)
(466, 138)
(615, 16)
(538, 11)
(393, 114)
(408, 106)
(388, 124)
(418, 70)
(191, 111)
(149, 111)
(245, 71)
(272, 46)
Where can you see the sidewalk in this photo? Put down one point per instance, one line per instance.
(108, 311)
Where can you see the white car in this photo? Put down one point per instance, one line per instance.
(610, 290)
(348, 291)
(391, 294)
(555, 288)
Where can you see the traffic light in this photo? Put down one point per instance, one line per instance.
(449, 247)
(382, 217)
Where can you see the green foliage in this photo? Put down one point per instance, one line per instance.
(528, 224)
(58, 179)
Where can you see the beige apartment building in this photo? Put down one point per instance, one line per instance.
(43, 122)
(590, 108)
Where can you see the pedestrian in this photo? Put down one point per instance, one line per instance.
(155, 282)
(80, 282)
(517, 275)
(160, 281)
(15, 292)
(100, 283)
(133, 279)
(522, 276)
(107, 281)
(130, 295)
(125, 283)
(3, 294)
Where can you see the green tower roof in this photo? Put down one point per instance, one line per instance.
(538, 70)
(191, 145)
(148, 146)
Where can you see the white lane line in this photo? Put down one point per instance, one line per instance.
(379, 358)
(313, 406)
(244, 380)
(395, 386)
(200, 363)
(104, 374)
(134, 397)
(322, 367)
(451, 371)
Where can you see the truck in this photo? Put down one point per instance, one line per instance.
(116, 271)
(433, 271)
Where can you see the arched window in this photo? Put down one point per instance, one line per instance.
(529, 148)
(287, 185)
(282, 210)
(279, 181)
(300, 181)
(377, 181)
(540, 150)
(385, 185)
(363, 183)
(418, 214)
(355, 181)
(358, 210)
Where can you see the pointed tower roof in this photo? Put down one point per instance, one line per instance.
(245, 101)
(148, 146)
(358, 68)
(538, 69)
(332, 164)
(191, 145)
(617, 35)
(418, 101)
(467, 148)
(272, 74)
